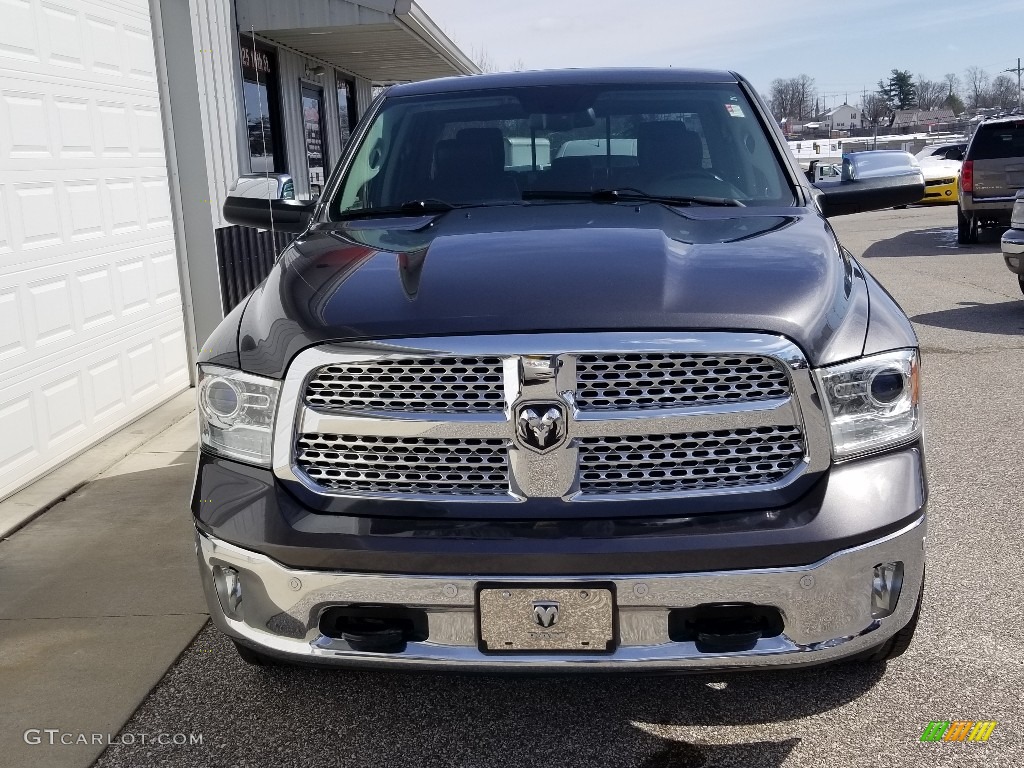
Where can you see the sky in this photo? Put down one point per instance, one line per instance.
(844, 46)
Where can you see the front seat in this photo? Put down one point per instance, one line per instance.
(664, 149)
(471, 168)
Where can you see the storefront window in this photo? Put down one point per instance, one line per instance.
(259, 96)
(313, 130)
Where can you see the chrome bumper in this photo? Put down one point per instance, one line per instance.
(1013, 245)
(826, 608)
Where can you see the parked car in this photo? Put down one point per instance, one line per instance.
(1013, 241)
(942, 152)
(631, 415)
(940, 165)
(992, 172)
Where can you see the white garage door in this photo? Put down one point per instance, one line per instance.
(91, 329)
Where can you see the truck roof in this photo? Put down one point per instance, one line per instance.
(625, 76)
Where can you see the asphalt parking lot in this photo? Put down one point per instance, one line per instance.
(966, 662)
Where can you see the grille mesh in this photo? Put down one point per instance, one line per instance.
(404, 465)
(414, 385)
(688, 461)
(607, 382)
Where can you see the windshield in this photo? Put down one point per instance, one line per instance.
(492, 146)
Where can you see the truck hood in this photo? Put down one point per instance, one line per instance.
(560, 267)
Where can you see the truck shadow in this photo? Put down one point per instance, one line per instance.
(1004, 319)
(936, 241)
(418, 719)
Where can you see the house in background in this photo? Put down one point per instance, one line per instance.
(841, 118)
(122, 127)
(920, 120)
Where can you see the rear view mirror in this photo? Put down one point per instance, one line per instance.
(871, 181)
(266, 201)
(264, 186)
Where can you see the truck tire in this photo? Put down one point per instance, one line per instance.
(966, 228)
(257, 659)
(895, 645)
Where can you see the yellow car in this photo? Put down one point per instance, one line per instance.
(941, 168)
(940, 183)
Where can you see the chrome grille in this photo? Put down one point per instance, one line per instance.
(412, 385)
(404, 465)
(427, 418)
(689, 461)
(607, 382)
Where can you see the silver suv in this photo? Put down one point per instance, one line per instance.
(992, 172)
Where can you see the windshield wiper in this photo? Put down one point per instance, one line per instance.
(410, 208)
(629, 196)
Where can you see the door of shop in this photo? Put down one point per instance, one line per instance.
(313, 134)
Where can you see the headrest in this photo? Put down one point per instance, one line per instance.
(482, 148)
(669, 145)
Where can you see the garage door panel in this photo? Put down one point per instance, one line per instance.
(18, 37)
(12, 333)
(91, 327)
(49, 416)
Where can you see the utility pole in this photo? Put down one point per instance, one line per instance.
(1020, 93)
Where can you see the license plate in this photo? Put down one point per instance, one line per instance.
(578, 618)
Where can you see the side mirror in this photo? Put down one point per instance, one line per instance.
(871, 181)
(267, 201)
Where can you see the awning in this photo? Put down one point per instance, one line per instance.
(384, 41)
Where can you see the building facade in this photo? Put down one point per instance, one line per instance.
(122, 127)
(842, 118)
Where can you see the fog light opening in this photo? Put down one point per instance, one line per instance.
(229, 589)
(885, 589)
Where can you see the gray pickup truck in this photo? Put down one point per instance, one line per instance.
(629, 409)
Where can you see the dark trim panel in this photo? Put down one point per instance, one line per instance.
(853, 504)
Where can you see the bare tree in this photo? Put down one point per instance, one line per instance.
(930, 93)
(1003, 92)
(792, 97)
(875, 109)
(952, 80)
(977, 80)
(518, 65)
(483, 59)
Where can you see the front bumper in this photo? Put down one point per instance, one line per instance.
(939, 193)
(1013, 250)
(826, 607)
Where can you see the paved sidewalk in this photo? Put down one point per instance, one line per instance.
(99, 594)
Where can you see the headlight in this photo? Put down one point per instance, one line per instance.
(1017, 217)
(236, 413)
(872, 403)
